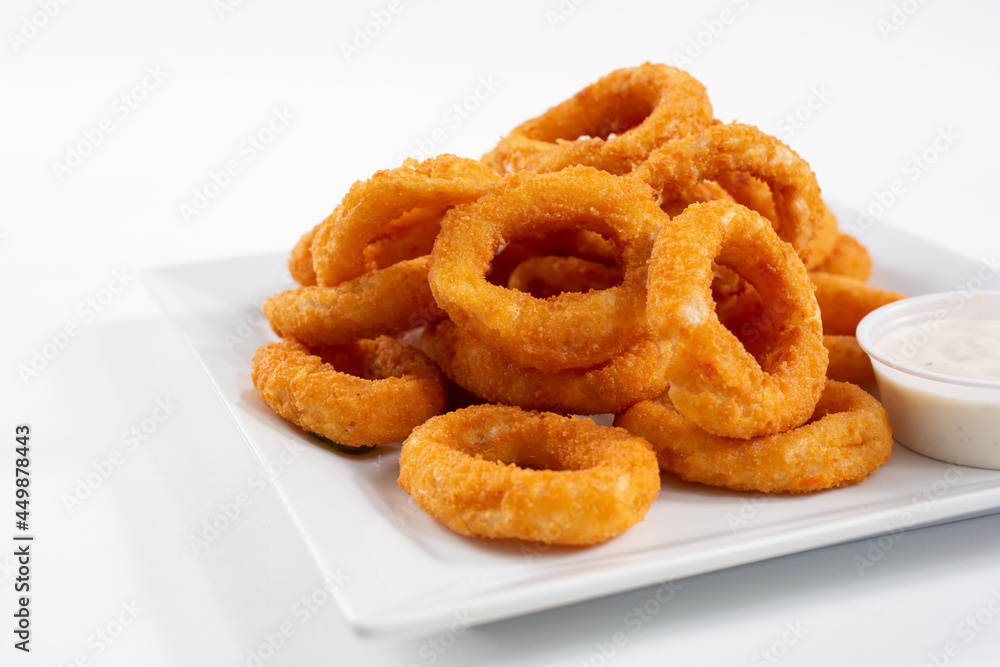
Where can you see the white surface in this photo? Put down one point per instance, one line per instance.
(125, 554)
(407, 574)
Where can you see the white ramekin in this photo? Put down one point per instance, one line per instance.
(948, 418)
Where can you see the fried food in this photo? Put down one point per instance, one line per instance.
(636, 374)
(843, 301)
(409, 236)
(502, 472)
(749, 191)
(612, 124)
(387, 301)
(825, 239)
(548, 333)
(848, 362)
(371, 205)
(714, 381)
(848, 257)
(364, 393)
(623, 253)
(846, 439)
(546, 276)
(300, 263)
(580, 243)
(704, 191)
(679, 165)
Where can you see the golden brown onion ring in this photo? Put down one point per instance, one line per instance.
(399, 389)
(704, 191)
(848, 362)
(612, 124)
(561, 243)
(546, 276)
(300, 263)
(843, 301)
(387, 301)
(501, 472)
(569, 330)
(847, 438)
(749, 191)
(631, 376)
(679, 165)
(410, 236)
(848, 257)
(714, 380)
(371, 205)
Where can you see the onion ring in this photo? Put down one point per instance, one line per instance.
(501, 472)
(300, 263)
(339, 243)
(756, 195)
(714, 380)
(631, 376)
(569, 330)
(612, 124)
(739, 308)
(387, 301)
(847, 439)
(749, 191)
(704, 191)
(848, 257)
(409, 236)
(546, 276)
(679, 165)
(843, 301)
(848, 362)
(401, 389)
(741, 311)
(581, 243)
(824, 240)
(412, 236)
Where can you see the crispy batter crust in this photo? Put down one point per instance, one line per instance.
(400, 389)
(546, 334)
(300, 263)
(581, 243)
(549, 275)
(387, 301)
(634, 375)
(848, 362)
(847, 439)
(679, 165)
(501, 472)
(409, 236)
(370, 207)
(843, 301)
(848, 257)
(641, 106)
(704, 191)
(714, 380)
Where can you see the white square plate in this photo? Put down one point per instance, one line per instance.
(399, 571)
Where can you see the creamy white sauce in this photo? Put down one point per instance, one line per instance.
(950, 421)
(968, 348)
(946, 422)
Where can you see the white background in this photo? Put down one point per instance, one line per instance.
(84, 232)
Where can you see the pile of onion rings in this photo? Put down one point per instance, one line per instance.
(625, 253)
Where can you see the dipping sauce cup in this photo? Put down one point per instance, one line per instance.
(935, 412)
